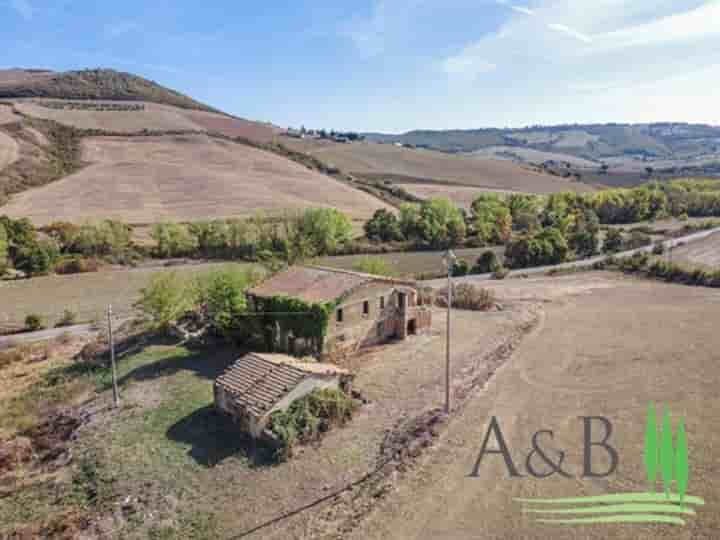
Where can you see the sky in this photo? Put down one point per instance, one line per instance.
(395, 65)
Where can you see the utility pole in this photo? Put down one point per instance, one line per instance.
(449, 260)
(116, 393)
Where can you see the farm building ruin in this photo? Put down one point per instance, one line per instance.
(257, 385)
(333, 313)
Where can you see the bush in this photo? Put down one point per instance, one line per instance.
(308, 417)
(38, 258)
(637, 240)
(166, 298)
(500, 273)
(658, 248)
(77, 265)
(546, 247)
(467, 296)
(487, 263)
(69, 318)
(34, 322)
(613, 241)
(460, 268)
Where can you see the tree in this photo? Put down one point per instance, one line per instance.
(546, 247)
(487, 263)
(383, 226)
(172, 240)
(165, 299)
(4, 249)
(613, 241)
(327, 229)
(525, 211)
(440, 223)
(410, 221)
(221, 294)
(38, 258)
(584, 236)
(491, 218)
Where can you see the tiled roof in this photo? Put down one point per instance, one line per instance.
(317, 284)
(257, 382)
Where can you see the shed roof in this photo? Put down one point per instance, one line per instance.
(257, 382)
(318, 284)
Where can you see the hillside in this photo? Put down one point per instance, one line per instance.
(183, 178)
(624, 148)
(106, 84)
(427, 173)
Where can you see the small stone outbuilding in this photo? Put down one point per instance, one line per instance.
(258, 384)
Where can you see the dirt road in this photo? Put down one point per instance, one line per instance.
(607, 345)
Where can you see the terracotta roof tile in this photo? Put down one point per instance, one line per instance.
(257, 382)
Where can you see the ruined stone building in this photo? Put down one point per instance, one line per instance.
(363, 309)
(257, 385)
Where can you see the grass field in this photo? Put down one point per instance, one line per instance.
(88, 295)
(183, 178)
(366, 158)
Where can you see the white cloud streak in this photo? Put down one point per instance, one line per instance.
(563, 29)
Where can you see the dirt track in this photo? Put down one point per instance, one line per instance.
(607, 346)
(183, 178)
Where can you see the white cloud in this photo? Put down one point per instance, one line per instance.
(570, 32)
(23, 8)
(522, 9)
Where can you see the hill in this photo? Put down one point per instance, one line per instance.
(623, 148)
(103, 84)
(150, 179)
(428, 173)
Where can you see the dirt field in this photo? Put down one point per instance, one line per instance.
(88, 295)
(7, 116)
(410, 263)
(154, 117)
(8, 150)
(183, 178)
(529, 155)
(378, 159)
(705, 253)
(607, 345)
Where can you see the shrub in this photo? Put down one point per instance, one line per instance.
(77, 265)
(308, 417)
(613, 241)
(460, 268)
(487, 263)
(34, 322)
(658, 248)
(375, 266)
(637, 240)
(467, 296)
(500, 273)
(69, 318)
(37, 258)
(166, 298)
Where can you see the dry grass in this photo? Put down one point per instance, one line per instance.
(606, 346)
(88, 295)
(385, 159)
(462, 196)
(7, 115)
(705, 253)
(183, 178)
(9, 150)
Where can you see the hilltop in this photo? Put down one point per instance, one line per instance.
(105, 84)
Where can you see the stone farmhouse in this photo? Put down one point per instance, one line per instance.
(363, 309)
(257, 385)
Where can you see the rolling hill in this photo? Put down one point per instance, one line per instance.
(622, 147)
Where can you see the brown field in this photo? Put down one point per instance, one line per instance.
(606, 345)
(384, 159)
(7, 115)
(88, 295)
(705, 253)
(8, 150)
(183, 178)
(154, 117)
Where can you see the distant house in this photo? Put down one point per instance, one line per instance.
(257, 385)
(364, 309)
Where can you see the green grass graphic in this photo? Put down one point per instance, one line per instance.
(650, 456)
(629, 518)
(630, 508)
(659, 455)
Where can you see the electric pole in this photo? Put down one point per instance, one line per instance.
(449, 260)
(116, 393)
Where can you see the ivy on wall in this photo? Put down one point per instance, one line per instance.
(306, 320)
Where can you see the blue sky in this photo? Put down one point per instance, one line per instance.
(395, 65)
